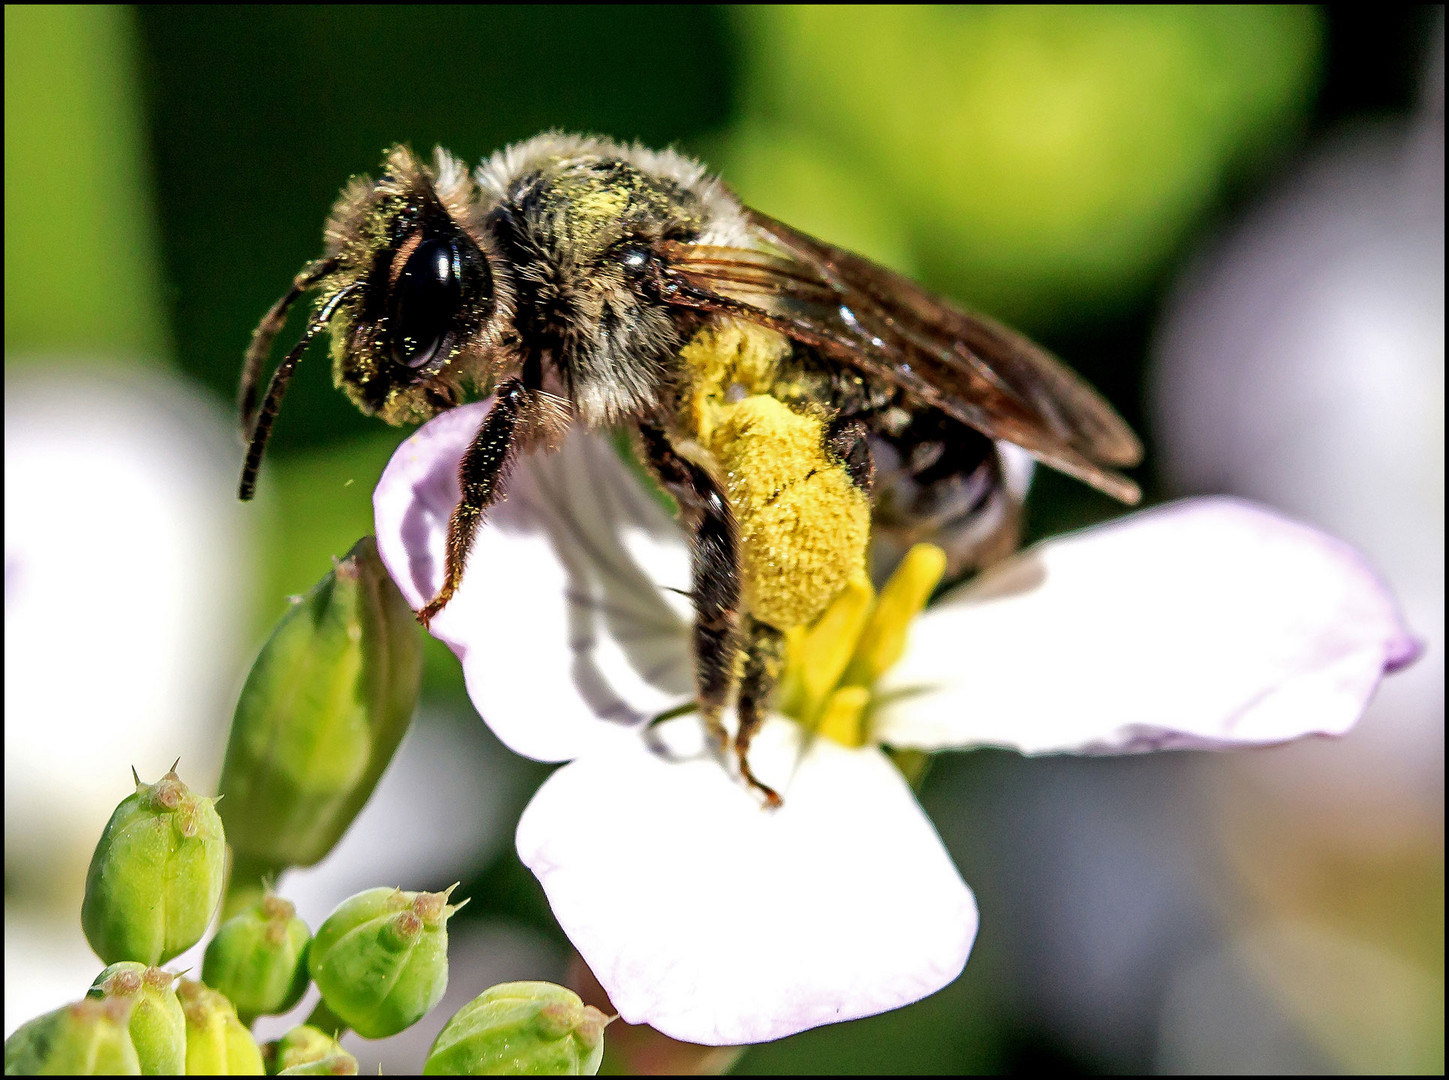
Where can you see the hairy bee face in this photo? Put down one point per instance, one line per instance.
(423, 303)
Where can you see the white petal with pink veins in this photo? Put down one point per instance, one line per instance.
(1205, 623)
(564, 621)
(720, 922)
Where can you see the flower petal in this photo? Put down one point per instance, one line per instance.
(719, 922)
(563, 624)
(1205, 623)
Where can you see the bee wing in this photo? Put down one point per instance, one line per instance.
(972, 368)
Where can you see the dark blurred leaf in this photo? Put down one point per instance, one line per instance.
(81, 272)
(260, 115)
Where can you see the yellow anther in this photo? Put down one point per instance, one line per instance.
(843, 718)
(901, 599)
(817, 657)
(790, 697)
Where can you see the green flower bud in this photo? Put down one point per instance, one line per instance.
(322, 711)
(381, 958)
(306, 1051)
(522, 1028)
(217, 1043)
(258, 959)
(341, 1064)
(89, 1038)
(155, 878)
(158, 1026)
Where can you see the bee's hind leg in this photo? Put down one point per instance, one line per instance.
(714, 569)
(764, 656)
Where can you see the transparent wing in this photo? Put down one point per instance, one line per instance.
(863, 315)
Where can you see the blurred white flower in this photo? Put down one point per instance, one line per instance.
(1302, 364)
(127, 584)
(1204, 624)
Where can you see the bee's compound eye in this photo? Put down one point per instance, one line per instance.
(635, 257)
(425, 300)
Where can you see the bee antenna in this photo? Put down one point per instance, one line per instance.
(276, 388)
(266, 332)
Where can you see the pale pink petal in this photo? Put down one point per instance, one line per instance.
(1206, 623)
(566, 631)
(720, 922)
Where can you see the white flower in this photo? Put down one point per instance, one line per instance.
(127, 577)
(1206, 623)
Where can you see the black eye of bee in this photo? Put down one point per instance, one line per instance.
(635, 257)
(425, 300)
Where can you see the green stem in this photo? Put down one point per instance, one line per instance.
(326, 1021)
(247, 883)
(913, 765)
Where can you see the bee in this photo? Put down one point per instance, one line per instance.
(798, 401)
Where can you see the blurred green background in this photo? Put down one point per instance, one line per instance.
(167, 170)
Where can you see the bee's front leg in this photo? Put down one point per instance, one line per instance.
(480, 474)
(714, 570)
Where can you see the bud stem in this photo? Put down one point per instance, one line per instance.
(913, 765)
(326, 1021)
(246, 884)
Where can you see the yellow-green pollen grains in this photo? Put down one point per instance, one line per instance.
(599, 202)
(804, 525)
(833, 664)
(726, 355)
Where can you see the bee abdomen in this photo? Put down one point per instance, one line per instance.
(940, 482)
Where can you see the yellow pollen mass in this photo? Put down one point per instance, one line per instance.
(804, 526)
(730, 359)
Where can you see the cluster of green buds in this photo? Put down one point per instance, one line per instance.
(258, 959)
(155, 878)
(323, 709)
(520, 1029)
(381, 959)
(322, 712)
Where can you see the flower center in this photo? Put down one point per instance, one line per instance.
(833, 664)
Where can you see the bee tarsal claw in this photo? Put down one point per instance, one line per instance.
(773, 801)
(426, 615)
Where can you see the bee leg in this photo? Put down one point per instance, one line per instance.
(484, 464)
(847, 441)
(715, 570)
(764, 657)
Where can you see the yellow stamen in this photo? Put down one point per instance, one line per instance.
(843, 716)
(819, 655)
(902, 598)
(833, 664)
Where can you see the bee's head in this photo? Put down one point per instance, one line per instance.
(411, 291)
